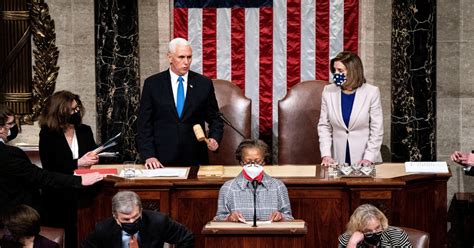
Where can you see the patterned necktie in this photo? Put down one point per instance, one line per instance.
(133, 242)
(180, 96)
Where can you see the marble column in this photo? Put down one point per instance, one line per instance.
(117, 70)
(413, 127)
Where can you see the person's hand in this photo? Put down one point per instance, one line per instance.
(235, 216)
(212, 145)
(275, 216)
(463, 158)
(365, 162)
(4, 134)
(327, 160)
(88, 159)
(457, 156)
(153, 163)
(356, 237)
(91, 178)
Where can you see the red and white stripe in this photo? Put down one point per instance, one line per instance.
(267, 50)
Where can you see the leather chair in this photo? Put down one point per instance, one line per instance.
(418, 238)
(54, 234)
(298, 117)
(237, 109)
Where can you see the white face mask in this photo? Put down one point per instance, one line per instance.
(253, 170)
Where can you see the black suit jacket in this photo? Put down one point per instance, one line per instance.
(59, 205)
(54, 150)
(162, 134)
(157, 228)
(20, 179)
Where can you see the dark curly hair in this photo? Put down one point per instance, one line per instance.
(252, 143)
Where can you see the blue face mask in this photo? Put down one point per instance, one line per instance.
(339, 79)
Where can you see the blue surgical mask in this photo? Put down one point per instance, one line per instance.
(339, 78)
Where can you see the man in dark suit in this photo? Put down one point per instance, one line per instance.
(20, 179)
(172, 102)
(131, 225)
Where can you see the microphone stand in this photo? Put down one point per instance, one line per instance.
(255, 185)
(226, 121)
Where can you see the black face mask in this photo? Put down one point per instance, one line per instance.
(132, 228)
(373, 238)
(13, 133)
(75, 119)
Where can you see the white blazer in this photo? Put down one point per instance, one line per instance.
(365, 131)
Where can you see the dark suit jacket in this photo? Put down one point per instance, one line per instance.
(20, 179)
(157, 228)
(54, 150)
(162, 134)
(59, 205)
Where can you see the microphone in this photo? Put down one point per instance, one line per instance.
(199, 133)
(255, 185)
(226, 121)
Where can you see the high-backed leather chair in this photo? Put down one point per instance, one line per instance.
(54, 234)
(417, 238)
(236, 108)
(298, 117)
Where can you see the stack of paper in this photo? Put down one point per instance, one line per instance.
(210, 171)
(426, 167)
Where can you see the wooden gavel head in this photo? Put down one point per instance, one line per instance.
(199, 133)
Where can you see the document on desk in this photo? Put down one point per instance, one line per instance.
(426, 167)
(164, 172)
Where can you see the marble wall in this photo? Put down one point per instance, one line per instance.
(413, 130)
(117, 71)
(455, 86)
(74, 22)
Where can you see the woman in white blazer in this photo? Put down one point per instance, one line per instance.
(350, 126)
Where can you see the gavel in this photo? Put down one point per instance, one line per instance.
(200, 133)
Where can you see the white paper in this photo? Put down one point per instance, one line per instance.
(164, 172)
(426, 167)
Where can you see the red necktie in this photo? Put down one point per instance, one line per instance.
(133, 242)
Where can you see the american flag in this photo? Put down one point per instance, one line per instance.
(265, 47)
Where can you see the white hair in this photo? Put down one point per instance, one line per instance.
(125, 201)
(177, 42)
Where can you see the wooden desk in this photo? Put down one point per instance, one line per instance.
(417, 201)
(239, 235)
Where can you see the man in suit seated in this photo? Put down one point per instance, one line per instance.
(131, 226)
(172, 102)
(466, 159)
(235, 201)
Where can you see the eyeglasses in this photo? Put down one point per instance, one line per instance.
(256, 162)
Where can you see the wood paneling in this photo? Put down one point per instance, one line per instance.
(417, 201)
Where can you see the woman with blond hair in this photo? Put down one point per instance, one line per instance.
(368, 227)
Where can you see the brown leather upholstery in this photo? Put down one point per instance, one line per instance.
(54, 234)
(236, 108)
(298, 117)
(417, 238)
